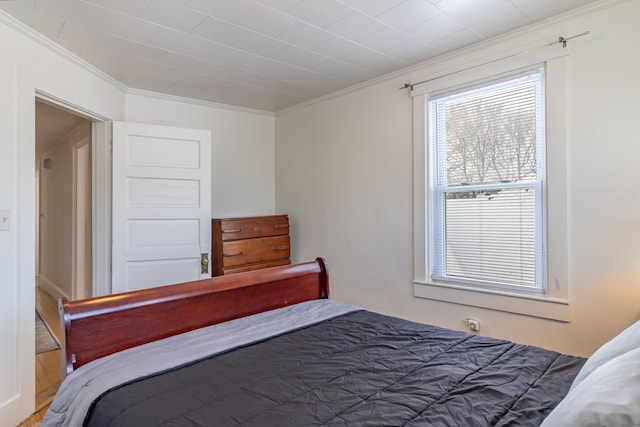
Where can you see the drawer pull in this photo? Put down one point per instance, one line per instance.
(232, 254)
(232, 230)
(281, 226)
(281, 248)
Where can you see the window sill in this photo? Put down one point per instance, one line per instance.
(528, 305)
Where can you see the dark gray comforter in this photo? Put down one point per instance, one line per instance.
(357, 369)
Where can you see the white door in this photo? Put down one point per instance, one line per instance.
(161, 205)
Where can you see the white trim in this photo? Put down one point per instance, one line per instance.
(74, 219)
(101, 174)
(25, 218)
(175, 98)
(490, 71)
(51, 288)
(529, 305)
(433, 63)
(29, 32)
(74, 109)
(555, 185)
(49, 44)
(100, 191)
(465, 87)
(78, 201)
(421, 190)
(555, 304)
(38, 214)
(25, 99)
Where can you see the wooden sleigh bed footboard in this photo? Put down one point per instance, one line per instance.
(96, 327)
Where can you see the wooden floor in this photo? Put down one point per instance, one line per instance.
(48, 363)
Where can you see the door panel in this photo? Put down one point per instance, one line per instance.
(163, 193)
(161, 205)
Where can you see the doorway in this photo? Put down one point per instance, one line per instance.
(63, 242)
(63, 227)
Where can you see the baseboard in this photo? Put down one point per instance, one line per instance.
(51, 288)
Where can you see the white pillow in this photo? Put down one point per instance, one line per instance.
(609, 396)
(627, 340)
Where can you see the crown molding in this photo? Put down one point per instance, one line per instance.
(193, 101)
(49, 44)
(484, 44)
(35, 36)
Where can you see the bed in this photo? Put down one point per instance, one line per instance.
(269, 348)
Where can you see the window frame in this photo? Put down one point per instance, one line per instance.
(438, 184)
(553, 301)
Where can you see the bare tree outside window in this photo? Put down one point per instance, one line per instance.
(490, 139)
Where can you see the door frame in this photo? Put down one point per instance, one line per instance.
(101, 207)
(81, 163)
(100, 190)
(22, 403)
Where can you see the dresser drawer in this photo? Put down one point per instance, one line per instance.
(249, 228)
(258, 266)
(252, 251)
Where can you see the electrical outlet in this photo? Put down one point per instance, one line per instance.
(473, 324)
(5, 219)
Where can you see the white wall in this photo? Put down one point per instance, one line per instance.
(25, 67)
(242, 173)
(56, 214)
(242, 149)
(344, 175)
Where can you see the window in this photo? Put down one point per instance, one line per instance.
(490, 199)
(487, 163)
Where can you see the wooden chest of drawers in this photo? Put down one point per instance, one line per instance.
(243, 244)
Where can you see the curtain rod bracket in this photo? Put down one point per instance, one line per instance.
(406, 86)
(564, 40)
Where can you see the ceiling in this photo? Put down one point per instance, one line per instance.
(268, 54)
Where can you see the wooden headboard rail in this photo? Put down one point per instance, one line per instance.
(96, 327)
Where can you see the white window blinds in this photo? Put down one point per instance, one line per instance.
(488, 163)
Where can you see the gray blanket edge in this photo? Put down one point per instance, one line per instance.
(81, 388)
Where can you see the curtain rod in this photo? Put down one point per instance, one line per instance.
(561, 39)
